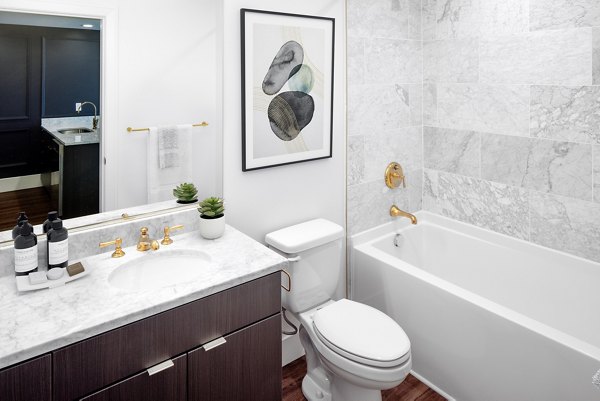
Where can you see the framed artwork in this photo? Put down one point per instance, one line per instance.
(287, 88)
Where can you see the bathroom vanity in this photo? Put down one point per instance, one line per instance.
(216, 338)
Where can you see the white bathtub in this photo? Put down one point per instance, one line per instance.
(489, 317)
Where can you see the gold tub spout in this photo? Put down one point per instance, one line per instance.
(396, 212)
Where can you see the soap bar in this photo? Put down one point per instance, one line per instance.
(56, 273)
(37, 278)
(75, 269)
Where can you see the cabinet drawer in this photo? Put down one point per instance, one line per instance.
(168, 384)
(92, 364)
(27, 381)
(247, 367)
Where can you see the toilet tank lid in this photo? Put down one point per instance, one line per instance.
(303, 236)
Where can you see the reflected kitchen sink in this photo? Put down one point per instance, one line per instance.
(75, 130)
(160, 269)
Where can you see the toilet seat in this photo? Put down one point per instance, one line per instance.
(362, 334)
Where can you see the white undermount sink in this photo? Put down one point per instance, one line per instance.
(159, 269)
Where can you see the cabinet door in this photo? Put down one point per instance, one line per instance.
(245, 368)
(28, 381)
(168, 384)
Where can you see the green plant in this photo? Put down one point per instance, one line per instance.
(211, 208)
(185, 192)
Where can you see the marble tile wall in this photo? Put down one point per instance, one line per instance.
(385, 107)
(511, 116)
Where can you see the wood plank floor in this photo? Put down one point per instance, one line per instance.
(410, 389)
(35, 202)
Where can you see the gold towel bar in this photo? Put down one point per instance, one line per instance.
(129, 129)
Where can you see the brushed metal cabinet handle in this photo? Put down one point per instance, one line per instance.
(214, 344)
(160, 367)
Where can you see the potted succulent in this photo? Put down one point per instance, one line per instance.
(186, 193)
(212, 217)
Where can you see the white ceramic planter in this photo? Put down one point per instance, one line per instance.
(212, 228)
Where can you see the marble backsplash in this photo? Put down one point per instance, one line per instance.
(83, 243)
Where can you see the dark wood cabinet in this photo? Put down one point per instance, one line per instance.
(168, 384)
(28, 381)
(79, 187)
(90, 365)
(247, 367)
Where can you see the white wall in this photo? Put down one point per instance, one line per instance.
(261, 201)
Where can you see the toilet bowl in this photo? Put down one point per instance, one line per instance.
(353, 351)
(357, 365)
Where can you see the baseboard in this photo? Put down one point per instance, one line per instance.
(18, 183)
(432, 386)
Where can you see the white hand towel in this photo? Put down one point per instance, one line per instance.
(161, 181)
(168, 147)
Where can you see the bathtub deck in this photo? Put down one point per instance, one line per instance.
(410, 390)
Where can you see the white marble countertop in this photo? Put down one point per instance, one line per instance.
(52, 125)
(34, 323)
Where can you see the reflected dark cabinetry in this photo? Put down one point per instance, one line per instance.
(76, 189)
(28, 381)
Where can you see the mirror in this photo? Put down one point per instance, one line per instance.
(164, 72)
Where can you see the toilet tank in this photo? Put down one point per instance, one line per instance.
(314, 249)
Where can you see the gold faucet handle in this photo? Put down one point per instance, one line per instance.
(167, 238)
(118, 247)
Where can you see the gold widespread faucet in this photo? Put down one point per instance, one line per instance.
(118, 243)
(167, 238)
(396, 212)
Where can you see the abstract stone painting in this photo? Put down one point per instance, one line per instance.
(287, 86)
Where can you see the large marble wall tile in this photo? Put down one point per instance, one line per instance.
(393, 61)
(501, 17)
(566, 224)
(551, 57)
(557, 14)
(457, 18)
(369, 205)
(482, 203)
(404, 146)
(428, 20)
(430, 104)
(378, 18)
(451, 151)
(356, 159)
(596, 56)
(563, 168)
(451, 61)
(597, 173)
(566, 113)
(375, 108)
(500, 109)
(414, 185)
(355, 60)
(414, 20)
(415, 97)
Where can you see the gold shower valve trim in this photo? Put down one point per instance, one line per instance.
(394, 176)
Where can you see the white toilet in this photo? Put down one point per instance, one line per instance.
(353, 351)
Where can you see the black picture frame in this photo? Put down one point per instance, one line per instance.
(279, 134)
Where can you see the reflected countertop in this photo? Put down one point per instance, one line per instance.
(52, 125)
(34, 323)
